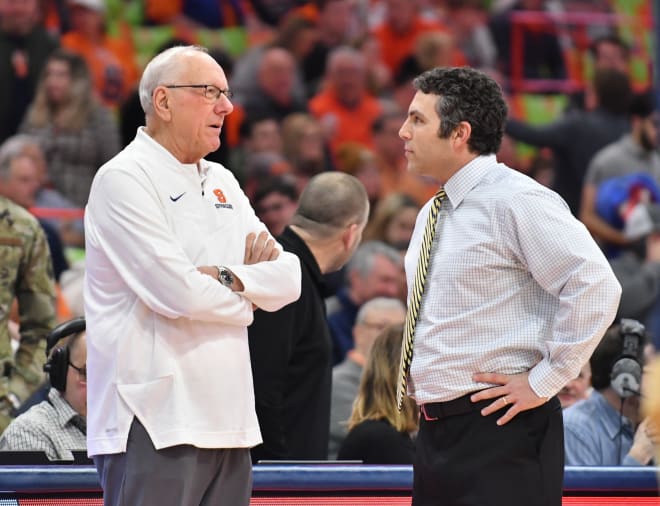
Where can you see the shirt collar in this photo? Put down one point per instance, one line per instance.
(65, 413)
(612, 420)
(467, 177)
(204, 167)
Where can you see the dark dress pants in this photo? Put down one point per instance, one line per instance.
(466, 459)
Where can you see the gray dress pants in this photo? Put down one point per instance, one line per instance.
(176, 476)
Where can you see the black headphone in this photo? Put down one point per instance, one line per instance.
(58, 362)
(626, 374)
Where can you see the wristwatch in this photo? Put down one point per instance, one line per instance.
(225, 276)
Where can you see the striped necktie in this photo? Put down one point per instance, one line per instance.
(416, 297)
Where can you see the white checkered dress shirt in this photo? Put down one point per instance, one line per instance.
(51, 427)
(515, 283)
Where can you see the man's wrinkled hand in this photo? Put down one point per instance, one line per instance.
(259, 248)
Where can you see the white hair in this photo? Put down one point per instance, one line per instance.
(160, 69)
(13, 148)
(363, 259)
(385, 304)
(345, 53)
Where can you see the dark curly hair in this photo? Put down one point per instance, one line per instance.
(466, 94)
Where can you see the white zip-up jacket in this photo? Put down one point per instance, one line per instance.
(166, 343)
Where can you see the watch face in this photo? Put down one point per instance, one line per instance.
(226, 277)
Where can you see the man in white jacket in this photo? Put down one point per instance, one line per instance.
(176, 263)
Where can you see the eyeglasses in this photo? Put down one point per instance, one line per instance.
(210, 91)
(82, 371)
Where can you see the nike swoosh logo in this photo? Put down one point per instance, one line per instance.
(174, 199)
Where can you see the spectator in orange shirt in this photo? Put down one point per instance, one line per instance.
(398, 33)
(344, 107)
(111, 61)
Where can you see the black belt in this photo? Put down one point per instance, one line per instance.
(459, 406)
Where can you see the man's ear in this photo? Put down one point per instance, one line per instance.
(161, 103)
(461, 134)
(350, 235)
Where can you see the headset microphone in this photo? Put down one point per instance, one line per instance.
(632, 392)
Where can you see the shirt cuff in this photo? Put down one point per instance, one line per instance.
(544, 381)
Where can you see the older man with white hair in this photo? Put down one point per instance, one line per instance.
(176, 264)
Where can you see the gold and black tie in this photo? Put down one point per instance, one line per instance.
(416, 297)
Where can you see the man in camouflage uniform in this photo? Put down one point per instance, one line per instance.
(26, 274)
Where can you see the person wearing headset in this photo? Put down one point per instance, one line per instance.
(607, 429)
(57, 425)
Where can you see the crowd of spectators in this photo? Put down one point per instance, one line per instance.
(322, 86)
